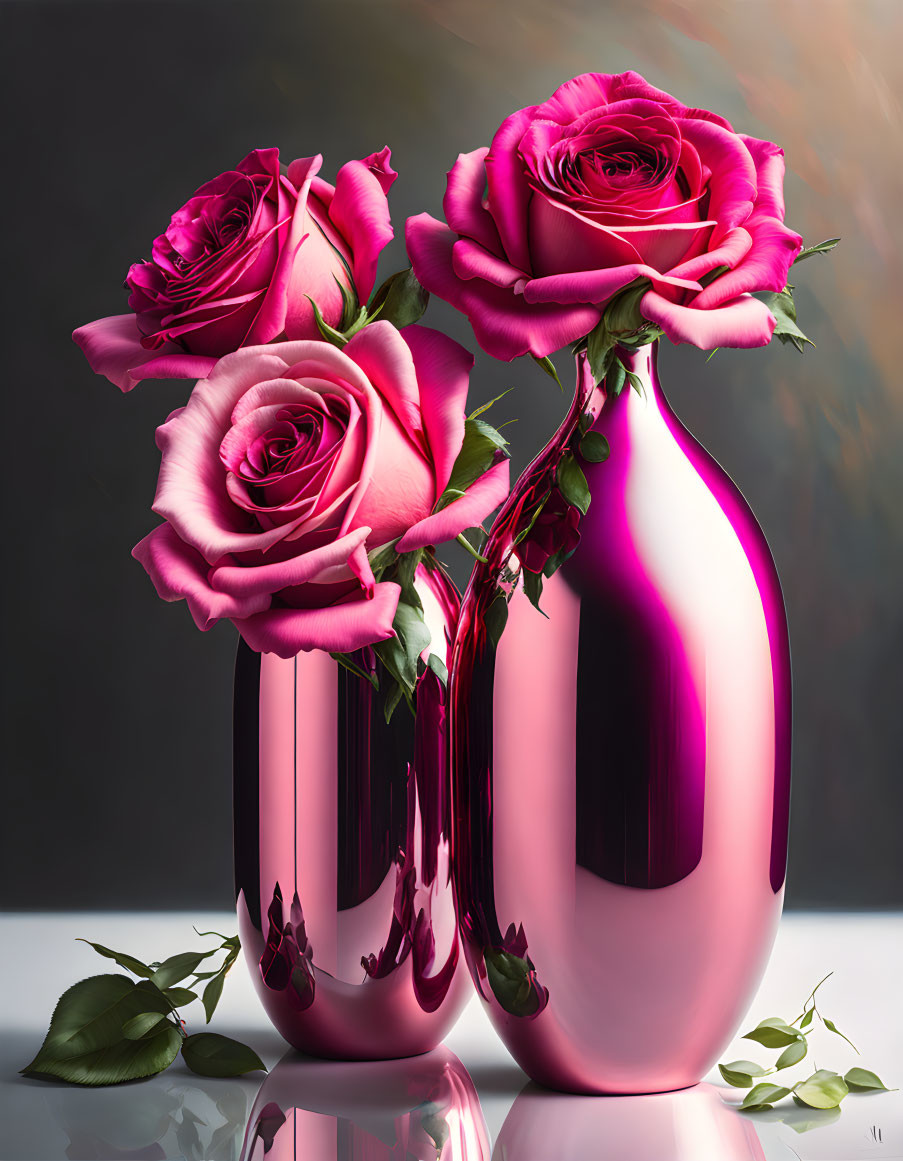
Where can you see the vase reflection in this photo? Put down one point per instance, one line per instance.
(692, 1125)
(422, 1109)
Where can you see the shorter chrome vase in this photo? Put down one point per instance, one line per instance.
(621, 763)
(342, 873)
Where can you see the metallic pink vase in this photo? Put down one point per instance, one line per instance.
(343, 886)
(621, 765)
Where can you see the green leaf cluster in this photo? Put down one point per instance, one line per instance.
(621, 325)
(824, 1089)
(509, 976)
(401, 300)
(108, 1029)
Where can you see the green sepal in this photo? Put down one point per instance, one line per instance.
(783, 308)
(548, 366)
(329, 333)
(480, 449)
(819, 248)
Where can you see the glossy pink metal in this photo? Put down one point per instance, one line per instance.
(695, 1125)
(621, 769)
(401, 1110)
(343, 886)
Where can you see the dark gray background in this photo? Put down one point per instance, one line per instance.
(116, 710)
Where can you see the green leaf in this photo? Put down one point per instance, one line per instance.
(832, 1027)
(861, 1080)
(740, 1073)
(383, 558)
(329, 333)
(594, 447)
(350, 308)
(807, 1018)
(496, 617)
(622, 317)
(212, 993)
(405, 572)
(139, 1025)
(401, 653)
(599, 350)
(509, 977)
(85, 1043)
(438, 666)
(548, 366)
(209, 1054)
(177, 967)
(763, 1096)
(823, 1090)
(401, 300)
(773, 1033)
(533, 588)
(179, 996)
(572, 482)
(481, 448)
(783, 308)
(391, 703)
(492, 402)
(792, 1054)
(615, 378)
(634, 380)
(820, 248)
(126, 961)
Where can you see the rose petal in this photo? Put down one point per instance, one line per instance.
(385, 358)
(508, 191)
(733, 181)
(468, 511)
(744, 322)
(768, 159)
(335, 629)
(463, 201)
(113, 348)
(443, 373)
(246, 581)
(598, 286)
(470, 260)
(180, 573)
(360, 211)
(728, 253)
(270, 320)
(504, 324)
(764, 267)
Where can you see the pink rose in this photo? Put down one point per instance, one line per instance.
(292, 461)
(237, 262)
(608, 181)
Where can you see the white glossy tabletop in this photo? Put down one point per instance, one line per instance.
(180, 1115)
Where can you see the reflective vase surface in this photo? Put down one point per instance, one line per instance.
(403, 1110)
(343, 885)
(621, 767)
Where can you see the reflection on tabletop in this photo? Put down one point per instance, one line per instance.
(420, 1109)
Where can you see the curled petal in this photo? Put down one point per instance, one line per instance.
(180, 573)
(470, 260)
(463, 201)
(764, 266)
(467, 511)
(508, 191)
(360, 212)
(250, 581)
(504, 324)
(113, 348)
(731, 249)
(598, 286)
(743, 322)
(768, 159)
(337, 628)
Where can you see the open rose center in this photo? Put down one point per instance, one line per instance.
(281, 455)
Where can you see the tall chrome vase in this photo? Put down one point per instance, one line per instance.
(342, 875)
(621, 764)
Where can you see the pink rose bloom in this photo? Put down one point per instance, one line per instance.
(237, 262)
(291, 462)
(608, 181)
